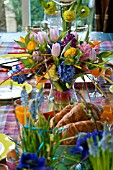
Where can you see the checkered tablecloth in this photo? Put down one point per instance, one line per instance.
(8, 123)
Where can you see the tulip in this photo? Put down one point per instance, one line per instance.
(92, 55)
(42, 37)
(56, 49)
(70, 52)
(37, 56)
(54, 34)
(22, 39)
(35, 36)
(31, 45)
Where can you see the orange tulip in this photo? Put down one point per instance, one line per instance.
(96, 72)
(107, 114)
(31, 45)
(22, 113)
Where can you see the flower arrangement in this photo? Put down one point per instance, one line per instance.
(60, 58)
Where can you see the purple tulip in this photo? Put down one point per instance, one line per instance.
(54, 34)
(56, 49)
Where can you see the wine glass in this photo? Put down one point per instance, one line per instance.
(96, 73)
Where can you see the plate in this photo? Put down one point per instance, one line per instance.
(111, 89)
(15, 92)
(8, 62)
(6, 144)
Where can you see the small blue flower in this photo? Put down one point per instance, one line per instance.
(31, 161)
(82, 143)
(76, 150)
(24, 97)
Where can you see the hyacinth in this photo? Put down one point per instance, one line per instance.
(66, 72)
(17, 78)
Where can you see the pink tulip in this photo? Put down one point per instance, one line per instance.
(33, 34)
(92, 55)
(37, 56)
(42, 37)
(54, 34)
(56, 49)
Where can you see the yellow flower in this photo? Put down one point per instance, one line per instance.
(70, 52)
(22, 39)
(69, 16)
(31, 45)
(53, 74)
(50, 8)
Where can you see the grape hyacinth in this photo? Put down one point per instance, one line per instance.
(20, 79)
(66, 72)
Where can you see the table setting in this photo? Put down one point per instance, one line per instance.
(56, 93)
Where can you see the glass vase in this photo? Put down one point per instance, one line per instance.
(63, 97)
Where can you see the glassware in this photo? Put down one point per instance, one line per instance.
(96, 74)
(63, 97)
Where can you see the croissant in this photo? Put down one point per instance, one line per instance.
(54, 120)
(80, 113)
(73, 129)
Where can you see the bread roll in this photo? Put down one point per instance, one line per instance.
(80, 112)
(54, 120)
(73, 129)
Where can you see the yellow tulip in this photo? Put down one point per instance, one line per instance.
(70, 52)
(31, 45)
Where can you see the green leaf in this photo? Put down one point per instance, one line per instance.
(66, 47)
(27, 38)
(21, 44)
(26, 63)
(79, 3)
(106, 55)
(62, 35)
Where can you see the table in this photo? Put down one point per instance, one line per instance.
(7, 116)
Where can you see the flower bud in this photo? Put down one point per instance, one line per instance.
(42, 37)
(56, 49)
(54, 35)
